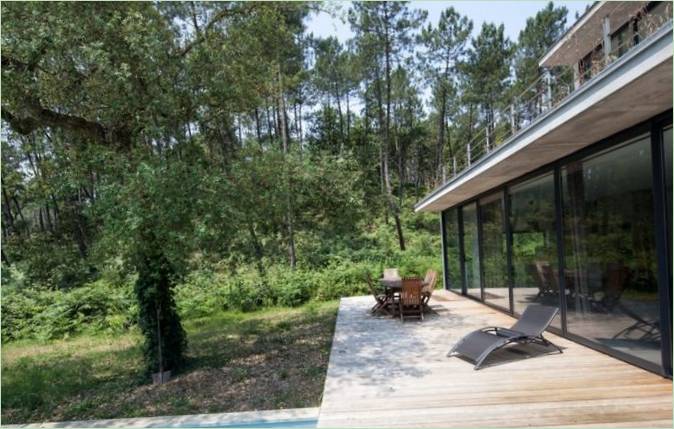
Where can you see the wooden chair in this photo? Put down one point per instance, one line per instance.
(410, 302)
(545, 278)
(381, 300)
(429, 285)
(391, 273)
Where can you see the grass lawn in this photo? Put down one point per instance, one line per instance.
(276, 358)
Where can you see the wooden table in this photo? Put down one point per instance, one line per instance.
(391, 287)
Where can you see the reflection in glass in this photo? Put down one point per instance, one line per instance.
(471, 250)
(667, 143)
(610, 250)
(452, 249)
(534, 252)
(494, 251)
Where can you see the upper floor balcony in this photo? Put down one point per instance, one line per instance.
(611, 70)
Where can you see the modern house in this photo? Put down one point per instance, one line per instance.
(573, 206)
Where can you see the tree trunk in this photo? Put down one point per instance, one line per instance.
(258, 133)
(439, 149)
(8, 216)
(257, 247)
(301, 143)
(292, 257)
(269, 124)
(341, 119)
(382, 173)
(348, 117)
(387, 178)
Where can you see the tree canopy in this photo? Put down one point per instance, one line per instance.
(148, 137)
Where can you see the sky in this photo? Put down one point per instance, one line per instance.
(513, 14)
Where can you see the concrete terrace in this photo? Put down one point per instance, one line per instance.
(386, 374)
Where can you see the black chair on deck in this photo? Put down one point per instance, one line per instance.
(478, 345)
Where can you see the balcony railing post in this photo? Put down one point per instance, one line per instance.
(576, 76)
(512, 117)
(487, 141)
(468, 153)
(453, 166)
(548, 90)
(606, 36)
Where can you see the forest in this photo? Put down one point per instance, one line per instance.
(163, 161)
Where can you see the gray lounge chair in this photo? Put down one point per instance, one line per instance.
(478, 345)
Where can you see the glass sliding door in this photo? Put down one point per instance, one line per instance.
(534, 244)
(667, 144)
(667, 163)
(494, 269)
(610, 253)
(471, 250)
(452, 250)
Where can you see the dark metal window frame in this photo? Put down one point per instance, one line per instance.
(504, 213)
(655, 127)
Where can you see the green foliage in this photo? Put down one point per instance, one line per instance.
(48, 263)
(340, 273)
(164, 339)
(100, 376)
(212, 150)
(33, 313)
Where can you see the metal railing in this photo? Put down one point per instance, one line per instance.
(545, 93)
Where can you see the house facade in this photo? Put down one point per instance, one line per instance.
(572, 207)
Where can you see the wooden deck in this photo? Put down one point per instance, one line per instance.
(386, 374)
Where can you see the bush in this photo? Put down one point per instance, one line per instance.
(332, 272)
(47, 263)
(44, 314)
(291, 288)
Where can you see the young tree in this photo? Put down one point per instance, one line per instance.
(541, 31)
(383, 30)
(445, 47)
(488, 72)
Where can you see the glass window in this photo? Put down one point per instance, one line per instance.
(534, 252)
(667, 143)
(494, 251)
(471, 250)
(622, 40)
(452, 249)
(610, 250)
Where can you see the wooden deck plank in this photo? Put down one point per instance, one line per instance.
(383, 373)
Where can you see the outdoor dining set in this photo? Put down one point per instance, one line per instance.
(404, 297)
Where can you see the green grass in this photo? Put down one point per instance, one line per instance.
(275, 358)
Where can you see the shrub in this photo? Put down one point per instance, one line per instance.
(46, 314)
(165, 340)
(291, 288)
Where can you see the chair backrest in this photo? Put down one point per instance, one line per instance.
(410, 293)
(430, 280)
(391, 273)
(535, 274)
(616, 281)
(370, 284)
(545, 274)
(535, 319)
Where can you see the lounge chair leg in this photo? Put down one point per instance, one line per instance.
(451, 351)
(546, 343)
(479, 363)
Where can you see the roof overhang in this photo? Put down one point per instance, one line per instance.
(634, 88)
(586, 33)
